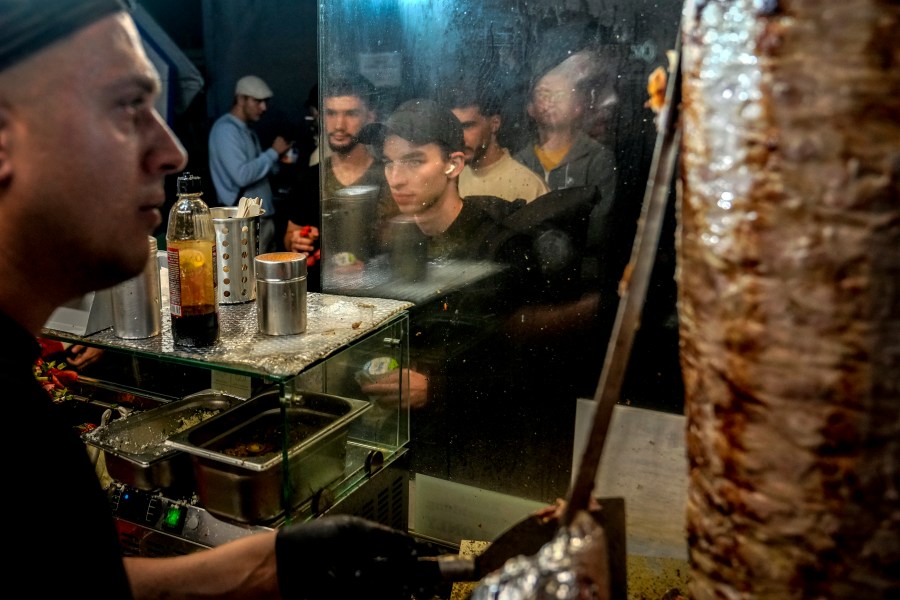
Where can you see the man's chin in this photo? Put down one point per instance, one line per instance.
(343, 148)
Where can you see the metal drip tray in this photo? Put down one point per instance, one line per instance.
(136, 453)
(238, 455)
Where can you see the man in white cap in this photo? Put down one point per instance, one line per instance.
(237, 163)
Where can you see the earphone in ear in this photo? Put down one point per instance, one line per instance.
(450, 170)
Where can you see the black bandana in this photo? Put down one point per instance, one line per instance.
(27, 26)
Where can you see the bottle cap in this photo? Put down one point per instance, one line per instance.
(189, 184)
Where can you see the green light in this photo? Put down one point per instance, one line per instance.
(173, 516)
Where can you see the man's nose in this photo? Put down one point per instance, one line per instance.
(166, 155)
(394, 176)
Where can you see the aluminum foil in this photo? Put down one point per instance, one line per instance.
(574, 565)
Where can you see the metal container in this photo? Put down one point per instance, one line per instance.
(238, 456)
(408, 249)
(136, 303)
(136, 452)
(281, 286)
(348, 220)
(237, 244)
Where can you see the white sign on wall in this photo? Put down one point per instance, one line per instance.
(382, 69)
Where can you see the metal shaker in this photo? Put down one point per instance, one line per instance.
(281, 293)
(348, 219)
(136, 303)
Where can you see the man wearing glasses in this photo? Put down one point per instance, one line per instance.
(238, 165)
(562, 154)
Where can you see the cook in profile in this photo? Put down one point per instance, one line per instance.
(74, 75)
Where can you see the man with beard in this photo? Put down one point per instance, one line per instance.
(347, 106)
(489, 170)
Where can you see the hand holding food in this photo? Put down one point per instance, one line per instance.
(303, 239)
(384, 389)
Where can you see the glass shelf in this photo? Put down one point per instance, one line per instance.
(333, 322)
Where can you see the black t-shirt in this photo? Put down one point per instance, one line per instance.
(306, 206)
(471, 319)
(60, 525)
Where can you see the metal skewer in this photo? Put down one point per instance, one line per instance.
(628, 316)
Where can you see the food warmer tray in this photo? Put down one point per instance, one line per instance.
(135, 449)
(237, 456)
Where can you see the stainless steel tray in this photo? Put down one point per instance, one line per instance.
(136, 453)
(252, 487)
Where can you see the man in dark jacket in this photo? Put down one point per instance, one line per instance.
(348, 104)
(563, 154)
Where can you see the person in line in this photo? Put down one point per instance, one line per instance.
(481, 353)
(237, 163)
(563, 154)
(458, 331)
(74, 76)
(348, 106)
(489, 170)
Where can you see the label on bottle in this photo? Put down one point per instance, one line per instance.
(174, 281)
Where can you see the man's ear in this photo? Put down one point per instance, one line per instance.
(5, 162)
(457, 162)
(495, 122)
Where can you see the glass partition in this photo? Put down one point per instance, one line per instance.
(503, 350)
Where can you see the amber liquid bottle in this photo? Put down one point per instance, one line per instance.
(191, 250)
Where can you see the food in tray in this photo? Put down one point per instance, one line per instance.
(263, 437)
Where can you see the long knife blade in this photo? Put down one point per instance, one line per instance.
(628, 316)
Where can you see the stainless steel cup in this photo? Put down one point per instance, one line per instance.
(237, 244)
(281, 293)
(408, 250)
(136, 303)
(348, 220)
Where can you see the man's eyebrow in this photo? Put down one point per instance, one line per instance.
(413, 154)
(407, 156)
(145, 83)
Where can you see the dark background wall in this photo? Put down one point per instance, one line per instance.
(227, 39)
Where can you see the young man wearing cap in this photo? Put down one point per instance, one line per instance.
(74, 76)
(461, 359)
(423, 152)
(237, 163)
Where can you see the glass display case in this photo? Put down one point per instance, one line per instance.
(497, 433)
(507, 386)
(274, 429)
